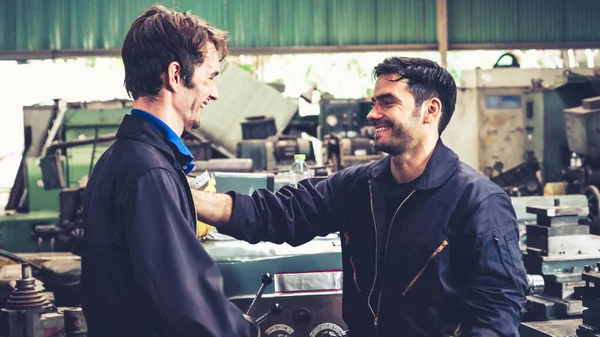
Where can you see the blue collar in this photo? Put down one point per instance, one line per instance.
(182, 154)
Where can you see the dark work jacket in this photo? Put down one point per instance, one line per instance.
(452, 262)
(144, 273)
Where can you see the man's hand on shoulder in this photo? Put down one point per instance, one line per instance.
(212, 208)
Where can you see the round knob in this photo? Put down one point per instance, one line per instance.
(266, 279)
(302, 316)
(276, 309)
(535, 284)
(498, 166)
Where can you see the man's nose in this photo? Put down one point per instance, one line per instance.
(374, 114)
(214, 92)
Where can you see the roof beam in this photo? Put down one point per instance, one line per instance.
(53, 54)
(442, 30)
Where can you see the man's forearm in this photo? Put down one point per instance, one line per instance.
(213, 208)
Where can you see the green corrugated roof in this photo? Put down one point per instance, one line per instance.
(506, 21)
(102, 24)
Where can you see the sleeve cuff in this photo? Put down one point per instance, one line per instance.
(238, 221)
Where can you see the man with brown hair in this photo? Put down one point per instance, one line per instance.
(144, 273)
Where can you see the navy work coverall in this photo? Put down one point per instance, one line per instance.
(144, 273)
(451, 260)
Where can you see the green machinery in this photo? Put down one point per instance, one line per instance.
(45, 204)
(66, 140)
(79, 134)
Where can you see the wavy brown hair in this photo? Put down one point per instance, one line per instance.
(160, 36)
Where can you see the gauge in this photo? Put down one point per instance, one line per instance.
(326, 330)
(331, 120)
(279, 330)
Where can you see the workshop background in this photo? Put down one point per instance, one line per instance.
(298, 81)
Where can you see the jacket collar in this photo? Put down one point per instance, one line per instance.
(137, 128)
(441, 166)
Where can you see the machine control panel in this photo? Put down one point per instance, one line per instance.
(302, 314)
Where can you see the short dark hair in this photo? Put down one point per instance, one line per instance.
(160, 36)
(426, 79)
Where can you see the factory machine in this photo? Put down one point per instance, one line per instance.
(559, 248)
(62, 143)
(346, 133)
(559, 255)
(338, 137)
(584, 142)
(590, 294)
(547, 156)
(299, 298)
(43, 227)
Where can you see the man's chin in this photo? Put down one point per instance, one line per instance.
(387, 148)
(192, 127)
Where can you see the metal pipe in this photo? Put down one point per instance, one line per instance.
(17, 259)
(72, 143)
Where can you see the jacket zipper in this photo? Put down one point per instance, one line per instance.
(387, 240)
(375, 318)
(431, 257)
(190, 198)
(354, 271)
(347, 243)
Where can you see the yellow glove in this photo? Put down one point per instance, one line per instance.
(203, 229)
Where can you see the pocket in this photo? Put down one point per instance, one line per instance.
(507, 244)
(431, 257)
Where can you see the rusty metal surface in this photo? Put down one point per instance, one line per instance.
(554, 328)
(552, 211)
(501, 131)
(40, 258)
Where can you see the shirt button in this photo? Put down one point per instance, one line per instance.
(185, 167)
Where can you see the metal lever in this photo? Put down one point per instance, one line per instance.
(276, 309)
(266, 279)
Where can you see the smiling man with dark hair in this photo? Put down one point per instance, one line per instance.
(430, 247)
(144, 273)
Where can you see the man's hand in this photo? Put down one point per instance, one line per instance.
(202, 228)
(211, 186)
(212, 208)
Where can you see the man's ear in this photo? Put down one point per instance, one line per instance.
(433, 110)
(172, 77)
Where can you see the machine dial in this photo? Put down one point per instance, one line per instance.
(279, 330)
(331, 120)
(327, 330)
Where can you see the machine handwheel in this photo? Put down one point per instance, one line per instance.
(592, 194)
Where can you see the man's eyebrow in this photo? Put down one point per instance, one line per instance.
(385, 96)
